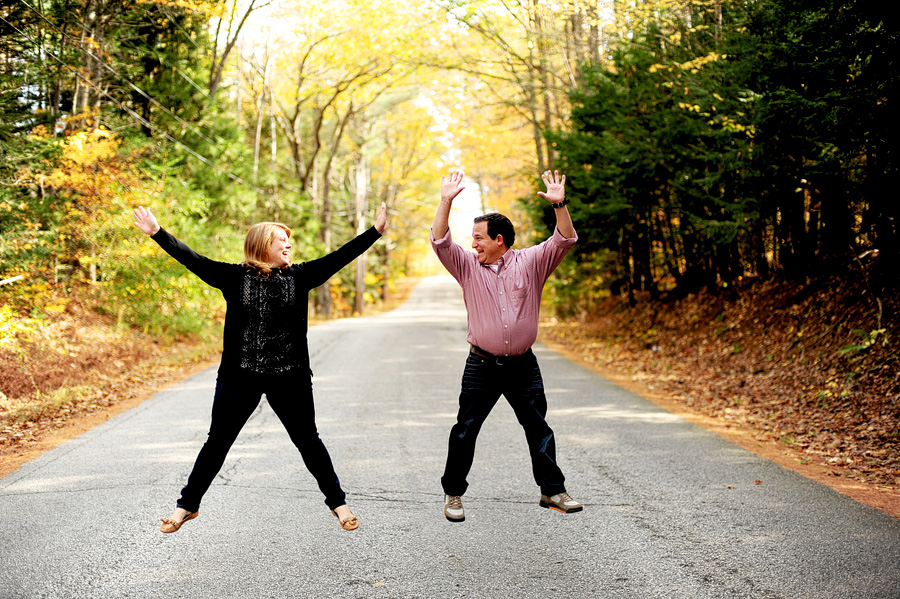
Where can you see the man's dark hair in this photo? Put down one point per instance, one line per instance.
(497, 224)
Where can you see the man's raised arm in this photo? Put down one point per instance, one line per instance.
(556, 195)
(450, 188)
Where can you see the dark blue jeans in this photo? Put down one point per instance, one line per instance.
(237, 396)
(484, 381)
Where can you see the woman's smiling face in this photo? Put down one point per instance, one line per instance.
(280, 250)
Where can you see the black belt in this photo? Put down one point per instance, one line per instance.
(498, 359)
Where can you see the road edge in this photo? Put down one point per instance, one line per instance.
(886, 501)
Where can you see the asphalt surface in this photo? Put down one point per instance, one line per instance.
(671, 510)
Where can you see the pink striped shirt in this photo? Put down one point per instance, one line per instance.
(503, 306)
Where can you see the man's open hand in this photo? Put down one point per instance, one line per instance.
(556, 187)
(451, 186)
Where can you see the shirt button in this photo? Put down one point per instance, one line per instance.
(506, 326)
(501, 293)
(507, 342)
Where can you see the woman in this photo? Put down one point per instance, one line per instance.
(264, 350)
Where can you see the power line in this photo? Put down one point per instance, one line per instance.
(187, 36)
(181, 29)
(120, 76)
(142, 120)
(132, 113)
(215, 144)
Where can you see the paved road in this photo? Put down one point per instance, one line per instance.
(672, 511)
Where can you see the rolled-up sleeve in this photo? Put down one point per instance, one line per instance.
(566, 242)
(546, 256)
(455, 259)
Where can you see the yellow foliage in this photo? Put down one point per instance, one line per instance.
(89, 147)
(211, 9)
(12, 325)
(494, 149)
(372, 278)
(689, 107)
(40, 132)
(90, 172)
(698, 63)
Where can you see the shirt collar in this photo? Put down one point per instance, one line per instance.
(500, 262)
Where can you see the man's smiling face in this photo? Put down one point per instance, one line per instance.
(489, 250)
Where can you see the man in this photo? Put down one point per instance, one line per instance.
(502, 291)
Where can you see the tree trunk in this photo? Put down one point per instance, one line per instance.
(627, 265)
(663, 228)
(273, 149)
(362, 185)
(536, 132)
(257, 135)
(718, 17)
(544, 77)
(793, 232)
(57, 95)
(217, 66)
(836, 220)
(882, 219)
(594, 55)
(324, 304)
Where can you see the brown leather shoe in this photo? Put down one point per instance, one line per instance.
(170, 525)
(351, 522)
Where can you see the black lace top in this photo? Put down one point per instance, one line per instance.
(266, 315)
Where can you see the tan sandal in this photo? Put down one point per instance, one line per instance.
(351, 522)
(170, 525)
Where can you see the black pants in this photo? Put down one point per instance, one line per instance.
(518, 379)
(237, 396)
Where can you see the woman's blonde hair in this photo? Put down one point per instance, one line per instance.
(257, 243)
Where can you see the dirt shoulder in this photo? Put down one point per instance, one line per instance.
(834, 476)
(85, 370)
(45, 438)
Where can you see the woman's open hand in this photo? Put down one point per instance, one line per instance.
(381, 219)
(145, 221)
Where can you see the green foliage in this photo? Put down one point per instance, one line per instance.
(72, 235)
(828, 82)
(29, 215)
(868, 339)
(708, 151)
(651, 156)
(144, 287)
(578, 287)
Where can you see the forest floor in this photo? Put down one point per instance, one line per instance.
(806, 374)
(796, 374)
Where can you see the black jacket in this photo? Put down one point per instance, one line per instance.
(266, 315)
